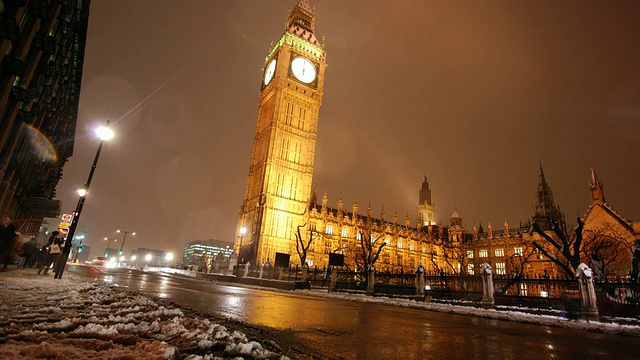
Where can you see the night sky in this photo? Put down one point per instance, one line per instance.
(472, 94)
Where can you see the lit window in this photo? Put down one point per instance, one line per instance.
(359, 235)
(387, 241)
(483, 253)
(424, 250)
(345, 232)
(517, 251)
(373, 238)
(329, 230)
(470, 269)
(399, 244)
(411, 247)
(499, 252)
(500, 268)
(470, 254)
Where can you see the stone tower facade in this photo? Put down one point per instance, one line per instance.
(426, 209)
(278, 188)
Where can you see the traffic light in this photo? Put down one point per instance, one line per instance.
(79, 249)
(120, 252)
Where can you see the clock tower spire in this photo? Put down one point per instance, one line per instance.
(278, 191)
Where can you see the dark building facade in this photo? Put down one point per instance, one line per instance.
(42, 45)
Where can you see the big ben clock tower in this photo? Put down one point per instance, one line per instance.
(281, 169)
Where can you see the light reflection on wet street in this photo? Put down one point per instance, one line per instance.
(354, 330)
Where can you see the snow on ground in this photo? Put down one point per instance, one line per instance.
(66, 318)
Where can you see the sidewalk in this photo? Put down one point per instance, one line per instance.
(67, 318)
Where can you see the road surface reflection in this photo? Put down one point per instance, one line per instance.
(354, 330)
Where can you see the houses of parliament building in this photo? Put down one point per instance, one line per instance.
(279, 198)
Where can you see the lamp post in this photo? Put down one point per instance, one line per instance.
(104, 133)
(106, 250)
(243, 230)
(124, 238)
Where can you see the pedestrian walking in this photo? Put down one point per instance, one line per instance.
(30, 251)
(7, 240)
(51, 251)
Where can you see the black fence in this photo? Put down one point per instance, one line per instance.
(616, 299)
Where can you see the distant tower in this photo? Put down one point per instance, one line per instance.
(426, 209)
(456, 231)
(546, 210)
(596, 189)
(278, 189)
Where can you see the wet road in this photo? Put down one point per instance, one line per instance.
(353, 330)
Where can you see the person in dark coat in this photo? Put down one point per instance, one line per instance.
(7, 239)
(30, 252)
(51, 251)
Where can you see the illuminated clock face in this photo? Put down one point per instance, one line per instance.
(268, 74)
(303, 70)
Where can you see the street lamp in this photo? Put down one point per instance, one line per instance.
(124, 238)
(243, 230)
(105, 134)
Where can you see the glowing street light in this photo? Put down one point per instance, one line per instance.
(169, 257)
(105, 134)
(148, 257)
(243, 230)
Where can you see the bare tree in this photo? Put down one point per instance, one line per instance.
(568, 247)
(515, 264)
(302, 245)
(608, 251)
(454, 254)
(368, 251)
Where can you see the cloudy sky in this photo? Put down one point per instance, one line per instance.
(472, 94)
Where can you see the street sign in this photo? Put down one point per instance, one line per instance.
(63, 230)
(66, 219)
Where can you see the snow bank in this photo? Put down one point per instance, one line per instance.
(59, 319)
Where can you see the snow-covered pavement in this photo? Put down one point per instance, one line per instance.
(61, 319)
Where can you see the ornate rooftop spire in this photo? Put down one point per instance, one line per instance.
(546, 211)
(302, 16)
(596, 189)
